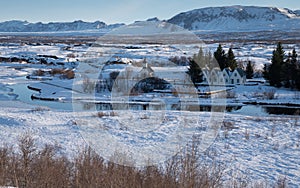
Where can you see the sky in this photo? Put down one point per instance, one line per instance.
(116, 11)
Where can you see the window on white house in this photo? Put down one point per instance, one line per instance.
(235, 74)
(238, 81)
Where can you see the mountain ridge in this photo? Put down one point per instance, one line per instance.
(238, 17)
(226, 18)
(78, 25)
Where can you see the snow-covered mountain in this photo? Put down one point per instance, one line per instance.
(229, 18)
(24, 26)
(238, 18)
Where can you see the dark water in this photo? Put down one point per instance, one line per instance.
(24, 94)
(262, 110)
(283, 110)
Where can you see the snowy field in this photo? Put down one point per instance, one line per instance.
(253, 146)
(264, 148)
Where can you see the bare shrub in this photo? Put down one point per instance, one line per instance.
(6, 166)
(230, 95)
(113, 114)
(296, 118)
(106, 114)
(40, 109)
(269, 94)
(144, 116)
(71, 55)
(273, 131)
(89, 170)
(64, 73)
(56, 71)
(182, 60)
(27, 148)
(68, 74)
(247, 134)
(38, 72)
(281, 182)
(45, 167)
(187, 170)
(101, 114)
(49, 170)
(229, 125)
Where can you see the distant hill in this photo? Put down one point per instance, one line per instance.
(238, 18)
(228, 18)
(24, 26)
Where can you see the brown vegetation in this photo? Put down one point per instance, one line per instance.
(29, 166)
(106, 114)
(63, 73)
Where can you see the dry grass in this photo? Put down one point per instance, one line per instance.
(69, 74)
(56, 71)
(27, 166)
(106, 114)
(40, 109)
(64, 73)
(38, 72)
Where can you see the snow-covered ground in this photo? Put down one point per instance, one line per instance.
(263, 147)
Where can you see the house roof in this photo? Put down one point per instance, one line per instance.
(228, 71)
(146, 67)
(241, 72)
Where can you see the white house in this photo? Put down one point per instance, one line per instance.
(146, 71)
(238, 76)
(225, 77)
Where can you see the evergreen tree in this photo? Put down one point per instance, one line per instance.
(294, 56)
(285, 74)
(297, 81)
(210, 60)
(220, 56)
(230, 60)
(195, 72)
(294, 68)
(266, 72)
(275, 76)
(249, 70)
(200, 58)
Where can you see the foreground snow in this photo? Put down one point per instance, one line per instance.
(264, 148)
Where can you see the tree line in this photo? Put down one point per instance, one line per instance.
(284, 70)
(210, 60)
(225, 60)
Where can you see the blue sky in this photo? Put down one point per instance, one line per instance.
(116, 11)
